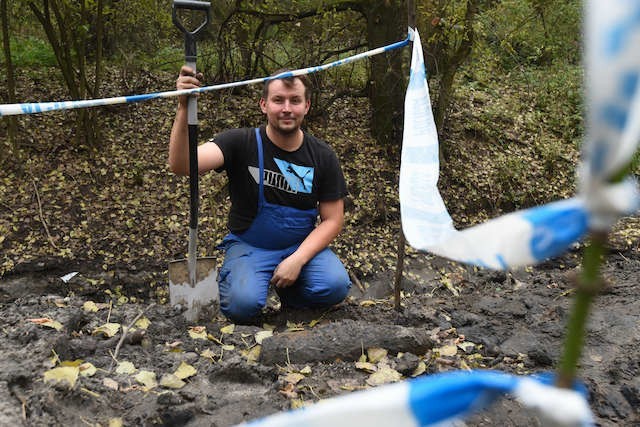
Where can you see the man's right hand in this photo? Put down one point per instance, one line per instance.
(187, 80)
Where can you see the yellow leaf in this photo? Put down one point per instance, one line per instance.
(44, 321)
(87, 369)
(125, 368)
(253, 355)
(228, 329)
(198, 332)
(110, 383)
(367, 303)
(447, 350)
(383, 375)
(143, 323)
(306, 370)
(297, 404)
(171, 381)
(314, 322)
(108, 329)
(262, 335)
(147, 379)
(362, 358)
(115, 422)
(90, 307)
(268, 327)
(228, 347)
(208, 354)
(376, 354)
(76, 362)
(293, 377)
(64, 374)
(420, 369)
(185, 371)
(293, 327)
(367, 367)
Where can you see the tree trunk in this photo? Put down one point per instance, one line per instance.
(12, 123)
(386, 23)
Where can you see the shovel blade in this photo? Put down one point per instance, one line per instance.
(201, 299)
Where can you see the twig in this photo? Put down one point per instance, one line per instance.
(355, 280)
(114, 356)
(44, 223)
(397, 281)
(588, 285)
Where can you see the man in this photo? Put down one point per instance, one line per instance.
(280, 179)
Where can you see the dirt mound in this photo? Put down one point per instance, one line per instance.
(512, 322)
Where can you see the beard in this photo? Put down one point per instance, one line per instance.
(286, 129)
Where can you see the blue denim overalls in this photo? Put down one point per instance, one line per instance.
(252, 256)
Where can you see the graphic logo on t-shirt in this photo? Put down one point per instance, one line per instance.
(293, 179)
(300, 178)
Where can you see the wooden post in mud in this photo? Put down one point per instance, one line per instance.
(397, 281)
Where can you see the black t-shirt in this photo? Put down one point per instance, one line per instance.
(299, 179)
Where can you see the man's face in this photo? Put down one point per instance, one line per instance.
(285, 106)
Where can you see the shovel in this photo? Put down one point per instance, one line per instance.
(193, 282)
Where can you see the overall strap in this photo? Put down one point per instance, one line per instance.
(261, 169)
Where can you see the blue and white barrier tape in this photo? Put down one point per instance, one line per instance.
(530, 236)
(41, 107)
(440, 400)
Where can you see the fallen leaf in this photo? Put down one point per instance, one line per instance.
(87, 369)
(90, 307)
(143, 323)
(294, 327)
(297, 403)
(125, 368)
(447, 350)
(75, 363)
(367, 303)
(228, 329)
(366, 366)
(185, 371)
(110, 383)
(208, 354)
(228, 347)
(314, 322)
(376, 354)
(306, 370)
(466, 346)
(362, 358)
(44, 321)
(198, 332)
(253, 355)
(289, 391)
(108, 329)
(147, 379)
(64, 374)
(268, 327)
(293, 378)
(262, 335)
(384, 375)
(115, 422)
(420, 369)
(171, 381)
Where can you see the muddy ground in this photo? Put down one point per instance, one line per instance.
(513, 322)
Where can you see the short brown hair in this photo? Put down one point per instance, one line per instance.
(288, 81)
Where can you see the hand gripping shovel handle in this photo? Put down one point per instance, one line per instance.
(192, 120)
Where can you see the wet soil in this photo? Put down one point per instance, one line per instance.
(513, 322)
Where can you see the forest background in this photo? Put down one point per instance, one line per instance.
(90, 187)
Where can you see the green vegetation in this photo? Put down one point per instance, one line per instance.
(32, 52)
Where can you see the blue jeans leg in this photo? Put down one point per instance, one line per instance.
(244, 280)
(323, 282)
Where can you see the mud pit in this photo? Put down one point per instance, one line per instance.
(511, 322)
